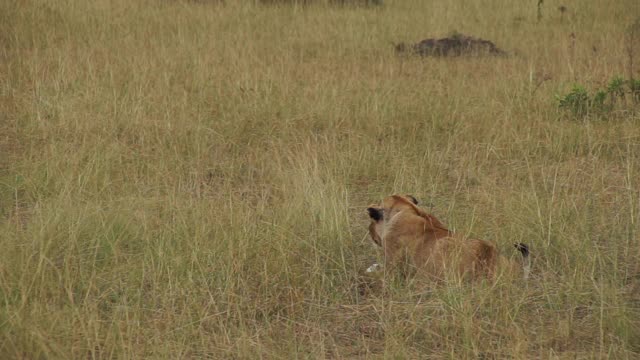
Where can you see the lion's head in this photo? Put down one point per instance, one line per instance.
(377, 214)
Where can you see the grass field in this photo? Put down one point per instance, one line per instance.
(189, 179)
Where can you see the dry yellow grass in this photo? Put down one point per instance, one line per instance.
(188, 180)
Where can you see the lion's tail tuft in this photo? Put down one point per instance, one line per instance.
(524, 250)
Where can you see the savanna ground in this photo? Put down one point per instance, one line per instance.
(188, 179)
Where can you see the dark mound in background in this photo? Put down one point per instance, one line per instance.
(454, 45)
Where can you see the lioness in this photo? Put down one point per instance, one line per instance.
(407, 233)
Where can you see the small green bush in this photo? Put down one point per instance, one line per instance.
(577, 101)
(603, 101)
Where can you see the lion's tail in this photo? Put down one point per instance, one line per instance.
(524, 250)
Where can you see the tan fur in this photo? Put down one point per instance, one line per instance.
(409, 234)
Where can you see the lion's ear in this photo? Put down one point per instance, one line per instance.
(374, 213)
(413, 199)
